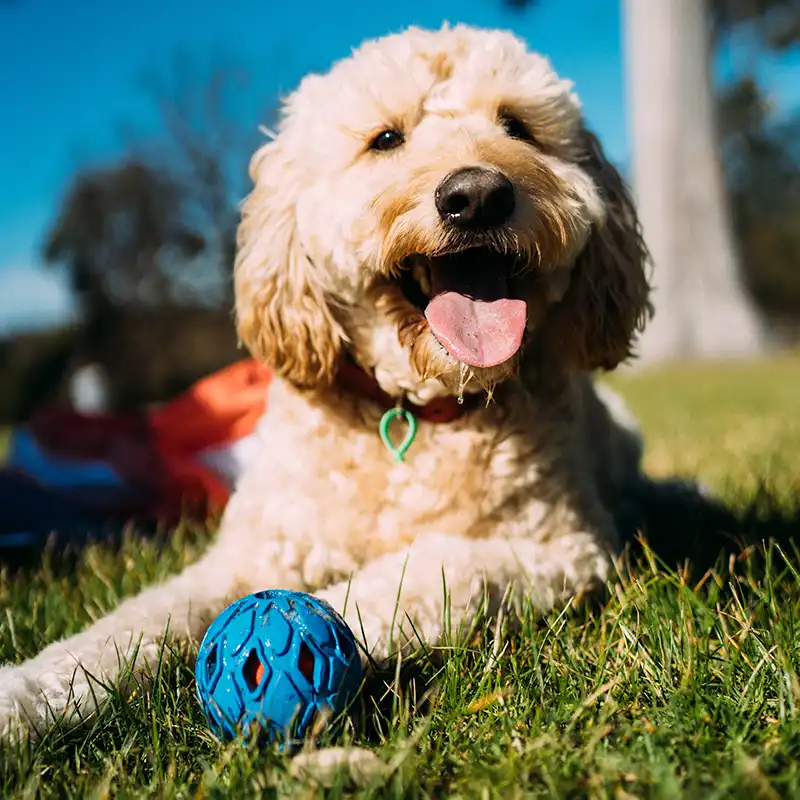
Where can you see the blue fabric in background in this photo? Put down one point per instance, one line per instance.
(30, 513)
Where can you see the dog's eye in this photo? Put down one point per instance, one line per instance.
(387, 140)
(516, 129)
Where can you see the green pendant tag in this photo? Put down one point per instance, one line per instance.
(394, 413)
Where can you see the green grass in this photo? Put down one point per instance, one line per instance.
(5, 433)
(684, 683)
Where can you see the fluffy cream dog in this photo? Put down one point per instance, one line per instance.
(432, 225)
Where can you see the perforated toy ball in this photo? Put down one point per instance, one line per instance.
(275, 659)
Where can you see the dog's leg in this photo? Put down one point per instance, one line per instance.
(62, 683)
(399, 599)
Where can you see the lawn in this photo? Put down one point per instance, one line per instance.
(683, 684)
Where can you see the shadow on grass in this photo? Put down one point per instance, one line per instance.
(389, 697)
(686, 529)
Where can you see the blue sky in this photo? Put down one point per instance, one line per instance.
(71, 75)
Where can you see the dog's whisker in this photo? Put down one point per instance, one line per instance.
(268, 132)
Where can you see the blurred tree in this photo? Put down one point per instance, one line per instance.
(762, 159)
(702, 308)
(761, 151)
(32, 365)
(148, 242)
(117, 233)
(681, 174)
(160, 226)
(120, 234)
(775, 22)
(209, 132)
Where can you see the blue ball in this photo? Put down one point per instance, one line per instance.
(275, 659)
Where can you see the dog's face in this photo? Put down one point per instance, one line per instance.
(434, 205)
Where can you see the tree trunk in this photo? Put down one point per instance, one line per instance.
(701, 307)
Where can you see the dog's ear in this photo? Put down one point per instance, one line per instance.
(606, 303)
(282, 314)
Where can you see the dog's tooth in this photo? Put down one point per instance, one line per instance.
(422, 277)
(425, 284)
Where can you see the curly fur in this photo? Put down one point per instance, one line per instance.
(519, 493)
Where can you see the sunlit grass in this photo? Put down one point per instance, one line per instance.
(5, 436)
(736, 425)
(676, 686)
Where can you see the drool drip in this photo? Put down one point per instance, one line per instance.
(464, 378)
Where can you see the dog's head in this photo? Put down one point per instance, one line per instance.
(434, 205)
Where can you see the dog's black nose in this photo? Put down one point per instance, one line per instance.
(475, 198)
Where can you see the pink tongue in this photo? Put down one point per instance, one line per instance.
(481, 333)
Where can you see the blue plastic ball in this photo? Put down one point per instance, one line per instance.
(275, 659)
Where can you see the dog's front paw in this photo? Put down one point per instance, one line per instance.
(34, 696)
(371, 621)
(16, 702)
(385, 627)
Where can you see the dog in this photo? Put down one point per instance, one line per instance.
(433, 230)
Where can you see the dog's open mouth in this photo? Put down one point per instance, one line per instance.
(468, 301)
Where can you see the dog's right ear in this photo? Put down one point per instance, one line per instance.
(281, 312)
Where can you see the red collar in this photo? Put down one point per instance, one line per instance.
(441, 409)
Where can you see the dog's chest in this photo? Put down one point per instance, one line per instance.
(342, 482)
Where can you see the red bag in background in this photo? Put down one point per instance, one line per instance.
(180, 458)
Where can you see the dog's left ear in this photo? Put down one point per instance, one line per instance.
(281, 309)
(606, 304)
